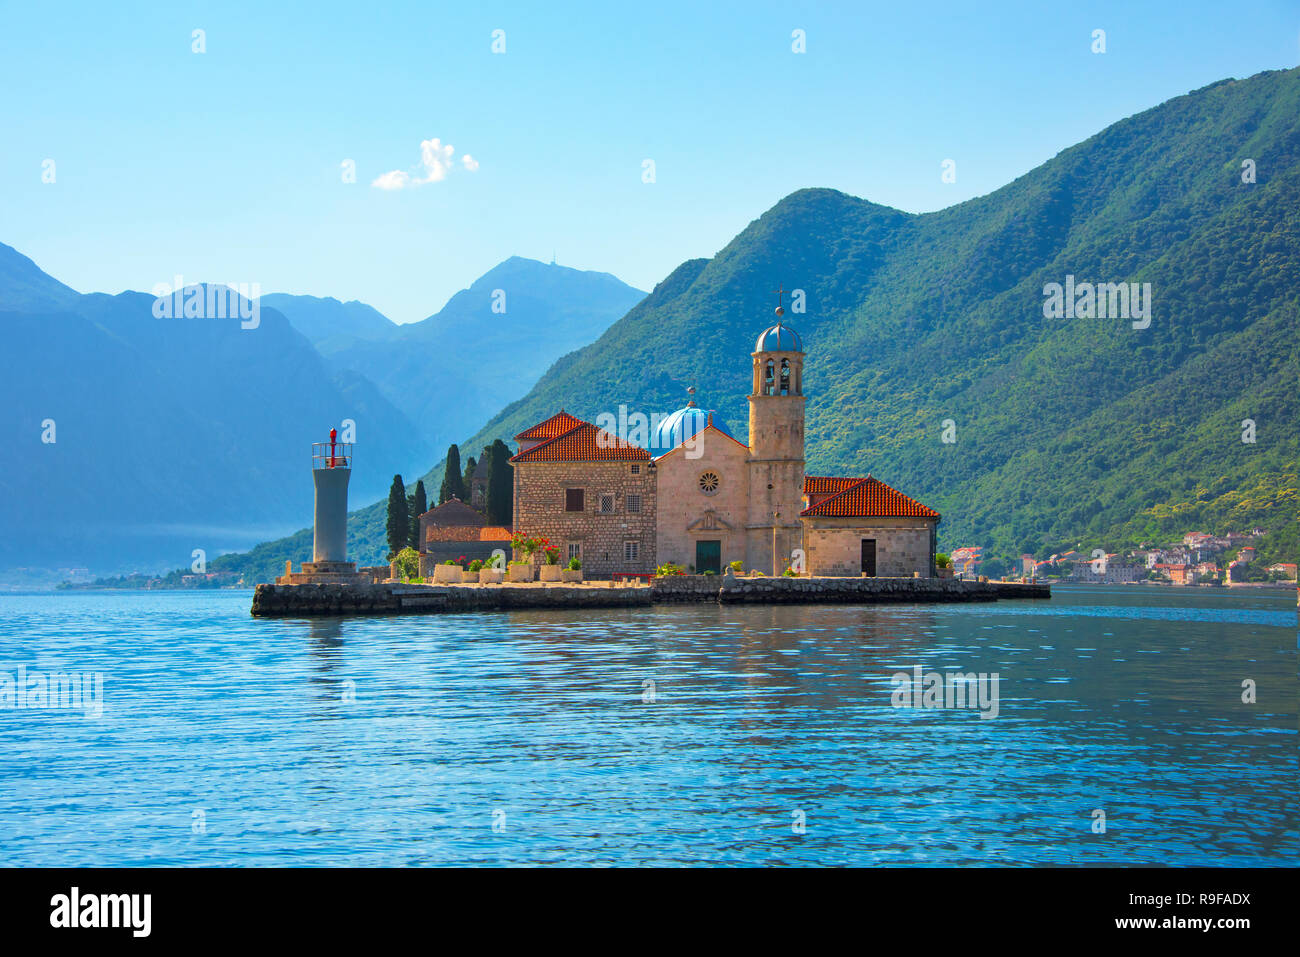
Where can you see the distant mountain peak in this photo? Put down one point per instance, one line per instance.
(25, 286)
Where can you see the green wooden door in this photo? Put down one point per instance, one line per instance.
(708, 557)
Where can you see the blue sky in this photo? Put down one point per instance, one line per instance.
(225, 165)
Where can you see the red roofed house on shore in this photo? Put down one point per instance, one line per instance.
(626, 497)
(861, 526)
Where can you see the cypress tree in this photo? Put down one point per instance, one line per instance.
(452, 483)
(399, 523)
(468, 479)
(500, 485)
(419, 505)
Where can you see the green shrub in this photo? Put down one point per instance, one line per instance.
(406, 564)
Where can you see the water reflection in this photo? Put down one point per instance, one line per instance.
(678, 734)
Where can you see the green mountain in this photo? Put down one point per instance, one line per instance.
(1067, 430)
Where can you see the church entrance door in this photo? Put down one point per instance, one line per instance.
(869, 557)
(708, 557)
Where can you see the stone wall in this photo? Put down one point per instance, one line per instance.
(869, 591)
(686, 587)
(833, 546)
(308, 601)
(539, 511)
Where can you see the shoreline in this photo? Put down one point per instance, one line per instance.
(299, 601)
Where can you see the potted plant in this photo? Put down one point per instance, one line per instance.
(669, 568)
(490, 574)
(519, 572)
(550, 570)
(526, 545)
(448, 573)
(943, 566)
(573, 573)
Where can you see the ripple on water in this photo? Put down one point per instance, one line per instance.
(684, 734)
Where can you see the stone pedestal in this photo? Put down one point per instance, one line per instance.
(324, 573)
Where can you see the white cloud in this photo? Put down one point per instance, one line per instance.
(394, 180)
(436, 161)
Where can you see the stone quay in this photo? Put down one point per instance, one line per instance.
(393, 598)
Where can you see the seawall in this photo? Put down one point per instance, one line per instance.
(307, 601)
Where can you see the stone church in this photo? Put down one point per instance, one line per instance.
(693, 494)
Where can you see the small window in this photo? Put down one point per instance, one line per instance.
(575, 550)
(573, 500)
(709, 482)
(636, 469)
(606, 504)
(634, 503)
(631, 551)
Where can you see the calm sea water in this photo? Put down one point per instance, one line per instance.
(769, 738)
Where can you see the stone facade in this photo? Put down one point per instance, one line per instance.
(904, 545)
(695, 508)
(602, 537)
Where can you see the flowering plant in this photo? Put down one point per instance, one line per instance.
(526, 543)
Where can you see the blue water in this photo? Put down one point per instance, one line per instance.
(526, 738)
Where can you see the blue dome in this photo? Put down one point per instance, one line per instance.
(677, 428)
(680, 426)
(779, 338)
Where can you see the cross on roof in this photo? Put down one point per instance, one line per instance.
(779, 292)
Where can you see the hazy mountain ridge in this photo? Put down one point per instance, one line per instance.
(1065, 429)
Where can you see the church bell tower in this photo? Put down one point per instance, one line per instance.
(776, 458)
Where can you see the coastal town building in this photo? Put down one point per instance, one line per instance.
(692, 494)
(1285, 569)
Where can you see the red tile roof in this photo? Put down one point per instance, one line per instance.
(869, 498)
(556, 425)
(584, 443)
(824, 484)
(453, 512)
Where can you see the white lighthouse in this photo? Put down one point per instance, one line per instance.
(331, 468)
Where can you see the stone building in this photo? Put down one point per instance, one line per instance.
(686, 491)
(477, 490)
(861, 526)
(454, 529)
(588, 491)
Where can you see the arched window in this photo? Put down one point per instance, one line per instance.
(785, 376)
(769, 385)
